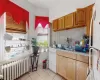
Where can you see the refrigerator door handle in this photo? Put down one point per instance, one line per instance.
(93, 48)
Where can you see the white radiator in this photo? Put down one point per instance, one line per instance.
(15, 69)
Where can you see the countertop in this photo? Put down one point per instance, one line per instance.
(18, 57)
(75, 52)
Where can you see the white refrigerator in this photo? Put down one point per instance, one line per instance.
(95, 54)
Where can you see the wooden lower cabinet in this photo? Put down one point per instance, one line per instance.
(66, 67)
(61, 66)
(81, 70)
(70, 69)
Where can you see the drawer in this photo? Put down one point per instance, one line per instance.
(66, 54)
(83, 58)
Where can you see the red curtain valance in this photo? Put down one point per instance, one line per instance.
(42, 20)
(3, 5)
(18, 13)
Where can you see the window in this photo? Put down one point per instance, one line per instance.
(42, 36)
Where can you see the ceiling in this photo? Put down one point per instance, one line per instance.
(43, 3)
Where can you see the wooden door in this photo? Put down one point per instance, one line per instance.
(89, 10)
(61, 23)
(69, 20)
(61, 66)
(55, 25)
(81, 70)
(70, 69)
(81, 16)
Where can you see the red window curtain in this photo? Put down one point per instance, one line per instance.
(15, 11)
(3, 5)
(42, 20)
(19, 14)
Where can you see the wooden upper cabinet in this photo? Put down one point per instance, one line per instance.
(12, 26)
(61, 22)
(55, 25)
(81, 16)
(69, 20)
(81, 70)
(89, 10)
(75, 20)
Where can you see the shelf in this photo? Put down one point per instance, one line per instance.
(17, 40)
(16, 47)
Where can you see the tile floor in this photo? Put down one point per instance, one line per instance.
(41, 74)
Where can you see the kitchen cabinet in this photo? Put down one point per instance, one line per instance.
(66, 67)
(82, 58)
(69, 21)
(61, 65)
(81, 16)
(61, 22)
(12, 26)
(55, 25)
(89, 10)
(70, 69)
(72, 66)
(75, 20)
(81, 70)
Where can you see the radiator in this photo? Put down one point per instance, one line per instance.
(15, 69)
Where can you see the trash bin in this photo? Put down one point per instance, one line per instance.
(44, 64)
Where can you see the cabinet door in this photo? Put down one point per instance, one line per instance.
(81, 16)
(61, 66)
(81, 70)
(89, 10)
(70, 69)
(55, 24)
(75, 20)
(69, 20)
(66, 21)
(61, 23)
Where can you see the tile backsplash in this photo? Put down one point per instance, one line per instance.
(61, 36)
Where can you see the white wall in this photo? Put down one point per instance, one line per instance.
(42, 11)
(2, 30)
(63, 7)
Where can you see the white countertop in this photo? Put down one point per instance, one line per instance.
(75, 52)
